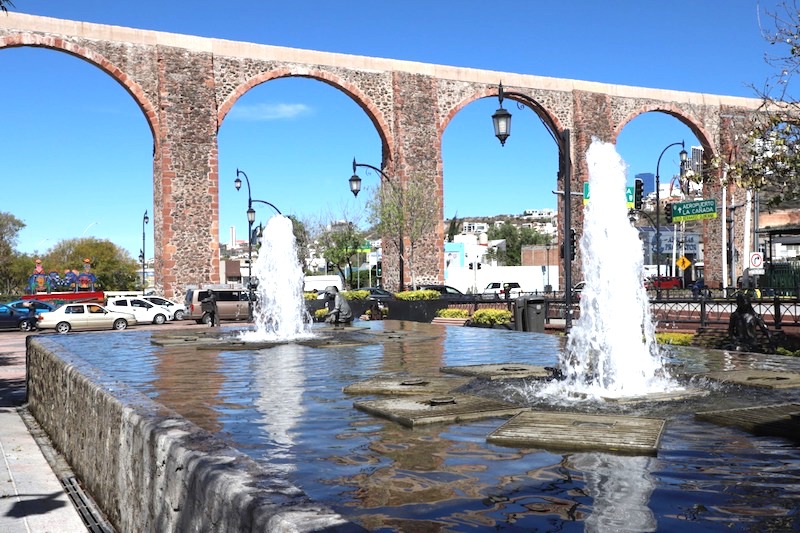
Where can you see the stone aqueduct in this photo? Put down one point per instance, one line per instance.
(186, 85)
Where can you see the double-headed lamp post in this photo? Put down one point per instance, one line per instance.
(145, 220)
(355, 188)
(502, 130)
(684, 158)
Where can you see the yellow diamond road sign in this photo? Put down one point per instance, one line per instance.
(683, 263)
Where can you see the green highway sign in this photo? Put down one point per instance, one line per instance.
(629, 197)
(697, 210)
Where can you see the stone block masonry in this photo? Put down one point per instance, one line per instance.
(148, 468)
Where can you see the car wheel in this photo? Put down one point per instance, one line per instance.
(63, 327)
(179, 315)
(26, 325)
(120, 324)
(159, 319)
(206, 319)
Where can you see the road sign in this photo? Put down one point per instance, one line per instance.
(756, 260)
(696, 210)
(629, 197)
(585, 192)
(683, 263)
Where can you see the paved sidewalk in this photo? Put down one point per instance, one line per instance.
(32, 498)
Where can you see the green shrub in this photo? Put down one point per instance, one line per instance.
(677, 339)
(355, 295)
(783, 351)
(452, 313)
(491, 316)
(410, 296)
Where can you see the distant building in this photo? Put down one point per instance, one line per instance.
(648, 180)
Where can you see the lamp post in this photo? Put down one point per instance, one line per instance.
(547, 247)
(355, 188)
(251, 217)
(502, 130)
(684, 157)
(145, 220)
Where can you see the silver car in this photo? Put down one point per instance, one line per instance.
(82, 316)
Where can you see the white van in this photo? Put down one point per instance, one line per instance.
(318, 283)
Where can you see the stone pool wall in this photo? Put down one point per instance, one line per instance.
(148, 468)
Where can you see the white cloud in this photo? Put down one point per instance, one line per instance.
(264, 112)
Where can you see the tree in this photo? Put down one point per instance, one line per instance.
(767, 156)
(111, 265)
(338, 242)
(405, 212)
(10, 226)
(515, 239)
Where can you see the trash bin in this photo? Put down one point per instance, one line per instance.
(529, 314)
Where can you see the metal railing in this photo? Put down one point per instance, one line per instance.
(677, 309)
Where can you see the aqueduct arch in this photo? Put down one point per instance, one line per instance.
(186, 85)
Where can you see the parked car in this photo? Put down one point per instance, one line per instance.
(11, 318)
(232, 304)
(447, 292)
(38, 305)
(377, 293)
(499, 290)
(144, 311)
(70, 317)
(178, 310)
(664, 282)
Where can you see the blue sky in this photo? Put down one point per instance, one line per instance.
(77, 152)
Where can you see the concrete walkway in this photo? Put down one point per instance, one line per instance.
(32, 499)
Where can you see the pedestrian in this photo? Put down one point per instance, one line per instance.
(698, 287)
(209, 306)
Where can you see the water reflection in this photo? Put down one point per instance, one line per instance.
(284, 406)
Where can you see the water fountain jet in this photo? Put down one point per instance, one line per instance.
(280, 311)
(611, 351)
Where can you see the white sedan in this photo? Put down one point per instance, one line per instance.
(145, 312)
(84, 316)
(178, 310)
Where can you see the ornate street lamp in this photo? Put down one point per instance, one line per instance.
(502, 130)
(145, 220)
(355, 188)
(684, 157)
(251, 217)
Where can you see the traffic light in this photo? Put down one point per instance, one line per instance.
(638, 192)
(573, 244)
(668, 213)
(379, 269)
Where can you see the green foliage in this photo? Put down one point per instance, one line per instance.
(515, 239)
(355, 295)
(677, 339)
(114, 269)
(310, 295)
(783, 351)
(491, 316)
(418, 295)
(452, 313)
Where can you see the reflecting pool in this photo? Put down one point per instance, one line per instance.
(284, 406)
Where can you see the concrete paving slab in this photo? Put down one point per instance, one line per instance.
(780, 420)
(769, 379)
(500, 371)
(420, 410)
(408, 385)
(581, 431)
